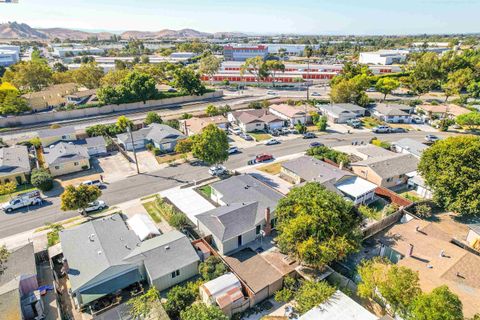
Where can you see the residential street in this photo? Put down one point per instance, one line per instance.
(149, 183)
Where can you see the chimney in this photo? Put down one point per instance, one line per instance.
(410, 251)
(268, 226)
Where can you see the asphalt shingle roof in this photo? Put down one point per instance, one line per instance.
(56, 132)
(312, 169)
(14, 159)
(63, 152)
(414, 147)
(393, 109)
(156, 132)
(342, 108)
(390, 166)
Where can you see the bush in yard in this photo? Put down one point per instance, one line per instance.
(212, 268)
(156, 151)
(201, 311)
(41, 179)
(149, 146)
(179, 298)
(423, 210)
(380, 143)
(322, 123)
(178, 221)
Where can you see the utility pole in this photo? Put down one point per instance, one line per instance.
(133, 147)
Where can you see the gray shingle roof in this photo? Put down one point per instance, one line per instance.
(14, 159)
(95, 141)
(164, 254)
(63, 152)
(372, 151)
(342, 108)
(390, 166)
(245, 188)
(21, 261)
(414, 147)
(156, 132)
(312, 169)
(230, 221)
(393, 109)
(46, 133)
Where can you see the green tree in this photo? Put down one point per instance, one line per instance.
(273, 67)
(123, 123)
(153, 117)
(308, 52)
(88, 75)
(188, 82)
(322, 123)
(146, 305)
(209, 65)
(470, 120)
(178, 221)
(316, 225)
(398, 286)
(184, 146)
(4, 254)
(386, 86)
(440, 304)
(8, 188)
(41, 179)
(457, 81)
(12, 103)
(211, 146)
(255, 66)
(179, 298)
(324, 152)
(74, 198)
(212, 268)
(288, 291)
(114, 77)
(350, 90)
(300, 127)
(53, 235)
(311, 294)
(201, 311)
(212, 110)
(137, 86)
(451, 169)
(59, 67)
(31, 75)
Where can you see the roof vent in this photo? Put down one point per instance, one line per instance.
(91, 237)
(99, 252)
(126, 246)
(167, 247)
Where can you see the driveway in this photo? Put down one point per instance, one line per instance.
(146, 161)
(115, 167)
(188, 201)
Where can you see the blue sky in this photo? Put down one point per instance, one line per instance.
(257, 16)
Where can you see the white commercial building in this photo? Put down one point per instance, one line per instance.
(383, 57)
(9, 54)
(75, 51)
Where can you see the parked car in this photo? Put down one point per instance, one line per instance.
(286, 130)
(430, 138)
(271, 142)
(236, 131)
(261, 158)
(172, 90)
(94, 206)
(316, 144)
(232, 150)
(309, 135)
(275, 132)
(316, 94)
(246, 137)
(217, 170)
(398, 130)
(417, 120)
(26, 199)
(96, 183)
(382, 129)
(371, 89)
(354, 123)
(271, 93)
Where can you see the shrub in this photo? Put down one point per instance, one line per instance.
(379, 143)
(212, 268)
(156, 151)
(324, 152)
(423, 210)
(149, 146)
(41, 179)
(322, 123)
(178, 220)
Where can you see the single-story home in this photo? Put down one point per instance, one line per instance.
(440, 110)
(14, 164)
(19, 295)
(104, 256)
(345, 183)
(339, 306)
(393, 113)
(293, 114)
(50, 136)
(195, 125)
(389, 171)
(417, 183)
(53, 96)
(66, 157)
(341, 112)
(160, 135)
(255, 120)
(364, 151)
(225, 292)
(81, 97)
(409, 146)
(96, 146)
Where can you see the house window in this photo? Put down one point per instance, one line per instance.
(75, 163)
(257, 229)
(175, 273)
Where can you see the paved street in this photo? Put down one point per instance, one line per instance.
(149, 183)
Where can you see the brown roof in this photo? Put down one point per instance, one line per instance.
(51, 96)
(255, 115)
(289, 111)
(253, 269)
(196, 125)
(457, 268)
(452, 109)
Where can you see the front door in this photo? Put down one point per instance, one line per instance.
(239, 240)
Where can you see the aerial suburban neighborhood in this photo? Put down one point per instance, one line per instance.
(310, 160)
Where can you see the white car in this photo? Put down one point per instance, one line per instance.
(232, 150)
(96, 183)
(217, 170)
(236, 131)
(272, 142)
(316, 94)
(94, 206)
(271, 93)
(431, 138)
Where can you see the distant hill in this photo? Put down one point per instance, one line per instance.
(15, 30)
(166, 33)
(63, 33)
(229, 35)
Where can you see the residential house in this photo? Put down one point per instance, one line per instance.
(339, 306)
(247, 208)
(441, 110)
(293, 114)
(19, 295)
(409, 146)
(81, 97)
(341, 112)
(195, 125)
(389, 171)
(345, 183)
(161, 136)
(51, 136)
(363, 152)
(393, 113)
(14, 164)
(96, 146)
(417, 183)
(104, 256)
(66, 157)
(51, 97)
(255, 120)
(473, 236)
(426, 249)
(225, 292)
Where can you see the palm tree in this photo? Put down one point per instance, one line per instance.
(308, 52)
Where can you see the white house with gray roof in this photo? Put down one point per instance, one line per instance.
(65, 158)
(104, 256)
(341, 112)
(161, 136)
(14, 164)
(51, 136)
(409, 146)
(393, 113)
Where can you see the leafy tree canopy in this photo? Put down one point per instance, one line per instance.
(211, 146)
(441, 303)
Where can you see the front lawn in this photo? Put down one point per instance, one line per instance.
(370, 122)
(153, 211)
(260, 136)
(169, 158)
(20, 189)
(206, 191)
(273, 168)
